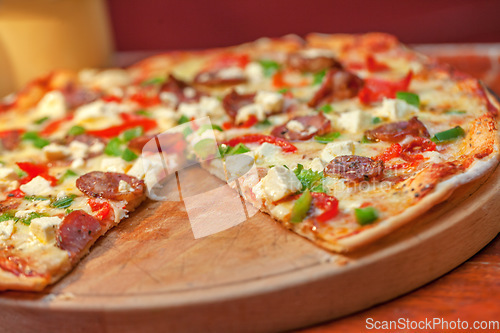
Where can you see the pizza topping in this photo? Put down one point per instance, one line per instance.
(355, 120)
(335, 149)
(35, 139)
(327, 203)
(279, 183)
(52, 105)
(448, 135)
(395, 132)
(301, 207)
(260, 139)
(37, 186)
(33, 170)
(303, 127)
(396, 109)
(366, 215)
(355, 168)
(44, 228)
(106, 185)
(408, 97)
(337, 85)
(312, 60)
(221, 77)
(129, 121)
(375, 89)
(10, 139)
(233, 102)
(77, 231)
(176, 91)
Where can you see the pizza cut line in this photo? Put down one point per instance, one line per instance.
(340, 138)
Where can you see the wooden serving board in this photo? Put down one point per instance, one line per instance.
(150, 274)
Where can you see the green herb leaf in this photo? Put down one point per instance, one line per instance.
(448, 135)
(327, 137)
(8, 216)
(113, 148)
(27, 220)
(327, 108)
(365, 140)
(186, 131)
(366, 215)
(67, 174)
(64, 202)
(205, 127)
(301, 207)
(409, 98)
(35, 139)
(41, 120)
(76, 130)
(284, 90)
(144, 113)
(238, 149)
(132, 133)
(183, 119)
(128, 155)
(35, 198)
(308, 178)
(264, 123)
(376, 120)
(269, 66)
(318, 77)
(457, 112)
(154, 80)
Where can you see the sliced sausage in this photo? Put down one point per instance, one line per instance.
(303, 63)
(337, 85)
(395, 132)
(77, 231)
(98, 184)
(180, 89)
(78, 96)
(10, 139)
(355, 168)
(312, 125)
(220, 77)
(233, 101)
(169, 143)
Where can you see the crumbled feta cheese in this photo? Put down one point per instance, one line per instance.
(96, 148)
(315, 53)
(254, 72)
(7, 229)
(77, 163)
(396, 109)
(279, 183)
(100, 109)
(111, 78)
(295, 126)
(169, 98)
(338, 148)
(208, 106)
(37, 186)
(230, 73)
(21, 214)
(355, 120)
(44, 228)
(267, 153)
(52, 105)
(7, 173)
(78, 149)
(54, 152)
(189, 92)
(270, 101)
(124, 187)
(316, 165)
(113, 164)
(248, 110)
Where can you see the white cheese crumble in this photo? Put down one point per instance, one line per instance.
(396, 109)
(52, 105)
(7, 173)
(266, 153)
(44, 228)
(124, 187)
(278, 183)
(338, 148)
(7, 229)
(295, 126)
(355, 120)
(315, 53)
(37, 186)
(254, 72)
(113, 164)
(250, 110)
(269, 100)
(316, 165)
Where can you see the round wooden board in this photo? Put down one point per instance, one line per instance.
(150, 273)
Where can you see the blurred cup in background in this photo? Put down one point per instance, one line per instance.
(37, 36)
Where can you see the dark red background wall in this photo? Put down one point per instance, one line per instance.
(191, 24)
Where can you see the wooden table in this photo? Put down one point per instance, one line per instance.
(471, 291)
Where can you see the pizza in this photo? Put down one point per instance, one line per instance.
(339, 138)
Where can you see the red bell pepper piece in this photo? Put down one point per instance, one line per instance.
(261, 138)
(375, 66)
(252, 120)
(393, 151)
(375, 90)
(54, 125)
(329, 205)
(102, 208)
(228, 60)
(33, 170)
(129, 121)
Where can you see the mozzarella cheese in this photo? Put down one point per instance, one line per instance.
(7, 173)
(279, 183)
(44, 228)
(52, 105)
(254, 72)
(338, 148)
(355, 120)
(250, 110)
(269, 100)
(295, 126)
(37, 186)
(54, 151)
(316, 165)
(396, 109)
(266, 153)
(7, 229)
(99, 114)
(113, 164)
